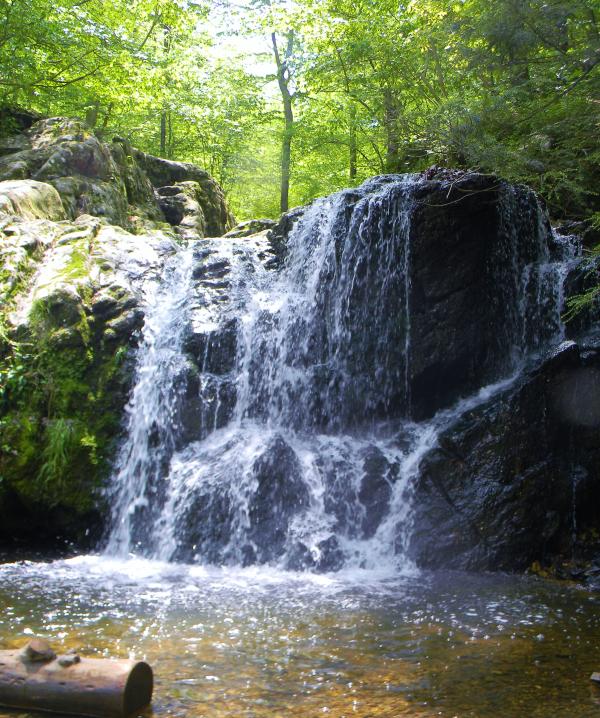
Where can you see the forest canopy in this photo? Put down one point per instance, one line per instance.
(328, 92)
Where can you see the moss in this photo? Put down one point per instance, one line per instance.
(62, 391)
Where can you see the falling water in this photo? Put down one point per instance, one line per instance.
(271, 415)
(152, 410)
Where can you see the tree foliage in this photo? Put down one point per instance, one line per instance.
(374, 86)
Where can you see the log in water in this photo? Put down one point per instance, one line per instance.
(90, 687)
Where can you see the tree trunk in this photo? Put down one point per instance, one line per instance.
(163, 133)
(283, 78)
(352, 149)
(91, 686)
(392, 148)
(164, 111)
(91, 115)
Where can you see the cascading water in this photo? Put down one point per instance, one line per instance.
(271, 415)
(152, 411)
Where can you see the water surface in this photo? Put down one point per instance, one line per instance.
(258, 642)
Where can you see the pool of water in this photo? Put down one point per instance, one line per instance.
(257, 642)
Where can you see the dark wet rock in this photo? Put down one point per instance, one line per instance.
(280, 495)
(121, 328)
(206, 404)
(588, 232)
(375, 490)
(510, 480)
(330, 555)
(461, 319)
(325, 556)
(581, 280)
(471, 238)
(205, 526)
(279, 233)
(215, 350)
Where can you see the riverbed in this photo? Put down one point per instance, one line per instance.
(259, 642)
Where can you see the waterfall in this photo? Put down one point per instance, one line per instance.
(271, 415)
(152, 424)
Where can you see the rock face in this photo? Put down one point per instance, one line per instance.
(182, 209)
(204, 190)
(109, 180)
(298, 394)
(30, 200)
(468, 279)
(83, 242)
(327, 409)
(516, 480)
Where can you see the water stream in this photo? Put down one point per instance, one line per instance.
(258, 642)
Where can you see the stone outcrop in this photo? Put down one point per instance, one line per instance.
(206, 192)
(85, 230)
(469, 316)
(29, 199)
(110, 180)
(182, 209)
(517, 480)
(82, 241)
(71, 294)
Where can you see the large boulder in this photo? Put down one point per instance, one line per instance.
(29, 199)
(109, 180)
(72, 297)
(516, 480)
(208, 194)
(66, 154)
(426, 289)
(182, 209)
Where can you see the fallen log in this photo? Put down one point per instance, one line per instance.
(34, 678)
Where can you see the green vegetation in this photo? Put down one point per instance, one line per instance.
(62, 384)
(348, 88)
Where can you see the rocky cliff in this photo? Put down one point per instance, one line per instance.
(85, 228)
(306, 393)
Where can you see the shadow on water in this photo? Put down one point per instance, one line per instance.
(260, 642)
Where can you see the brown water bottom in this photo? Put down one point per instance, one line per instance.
(258, 642)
